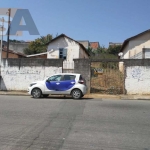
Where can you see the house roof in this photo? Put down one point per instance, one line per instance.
(131, 38)
(94, 45)
(63, 35)
(13, 52)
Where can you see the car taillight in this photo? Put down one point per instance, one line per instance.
(81, 81)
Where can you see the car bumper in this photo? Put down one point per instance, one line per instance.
(84, 90)
(29, 90)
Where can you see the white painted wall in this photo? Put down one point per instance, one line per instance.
(14, 78)
(135, 46)
(137, 80)
(74, 51)
(71, 46)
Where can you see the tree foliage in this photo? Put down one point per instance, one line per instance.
(39, 45)
(115, 49)
(105, 53)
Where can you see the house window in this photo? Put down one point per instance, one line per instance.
(63, 53)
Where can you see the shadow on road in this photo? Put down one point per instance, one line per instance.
(64, 97)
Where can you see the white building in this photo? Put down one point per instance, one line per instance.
(137, 47)
(66, 48)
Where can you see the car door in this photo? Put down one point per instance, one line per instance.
(52, 84)
(67, 83)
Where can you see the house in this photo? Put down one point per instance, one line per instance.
(86, 44)
(94, 45)
(12, 54)
(114, 44)
(17, 46)
(66, 48)
(136, 47)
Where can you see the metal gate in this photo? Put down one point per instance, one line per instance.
(107, 77)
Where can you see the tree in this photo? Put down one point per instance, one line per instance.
(39, 45)
(104, 53)
(14, 41)
(115, 49)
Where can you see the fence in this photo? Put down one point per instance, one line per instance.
(106, 77)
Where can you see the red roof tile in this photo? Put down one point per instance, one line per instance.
(94, 45)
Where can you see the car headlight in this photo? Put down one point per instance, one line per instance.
(32, 84)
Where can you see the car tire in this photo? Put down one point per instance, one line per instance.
(45, 95)
(76, 94)
(82, 95)
(36, 93)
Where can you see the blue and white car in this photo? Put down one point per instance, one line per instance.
(59, 84)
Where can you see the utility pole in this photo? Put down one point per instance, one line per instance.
(1, 50)
(8, 32)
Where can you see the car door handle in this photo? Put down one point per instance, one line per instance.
(57, 83)
(72, 82)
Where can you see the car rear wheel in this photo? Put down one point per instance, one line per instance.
(76, 94)
(36, 93)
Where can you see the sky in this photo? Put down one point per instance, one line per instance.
(100, 21)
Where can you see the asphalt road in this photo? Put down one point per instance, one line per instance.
(66, 124)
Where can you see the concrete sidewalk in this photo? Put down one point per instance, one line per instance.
(92, 95)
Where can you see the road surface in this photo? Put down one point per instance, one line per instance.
(66, 124)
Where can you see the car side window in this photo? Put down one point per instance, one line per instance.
(55, 78)
(69, 77)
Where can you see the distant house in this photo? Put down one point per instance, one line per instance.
(12, 54)
(94, 45)
(86, 44)
(136, 47)
(66, 48)
(114, 44)
(17, 46)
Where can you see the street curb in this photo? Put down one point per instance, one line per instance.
(92, 96)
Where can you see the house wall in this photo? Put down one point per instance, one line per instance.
(137, 79)
(71, 46)
(135, 46)
(17, 74)
(82, 53)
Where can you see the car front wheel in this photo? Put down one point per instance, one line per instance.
(76, 94)
(36, 93)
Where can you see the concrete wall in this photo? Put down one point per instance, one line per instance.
(137, 79)
(83, 66)
(17, 74)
